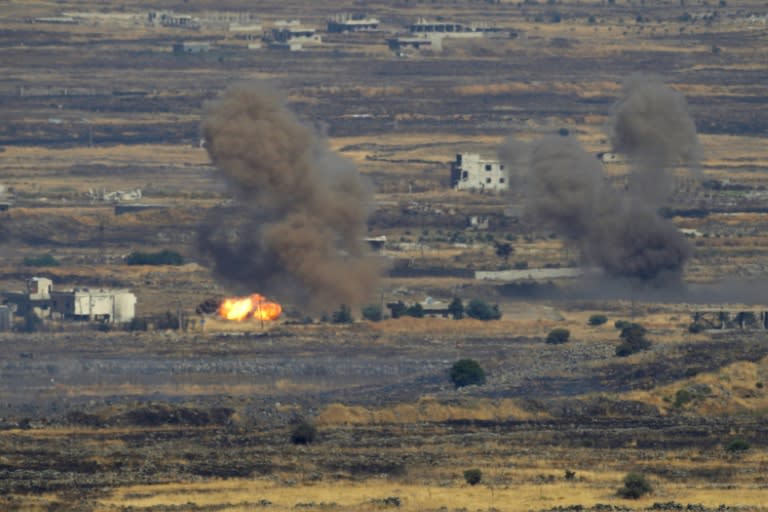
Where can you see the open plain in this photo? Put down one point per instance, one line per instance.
(185, 411)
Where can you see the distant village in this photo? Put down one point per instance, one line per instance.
(246, 30)
(40, 302)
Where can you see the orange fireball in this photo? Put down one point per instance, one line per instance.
(253, 307)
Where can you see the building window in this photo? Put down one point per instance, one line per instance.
(487, 180)
(488, 167)
(464, 175)
(501, 180)
(501, 167)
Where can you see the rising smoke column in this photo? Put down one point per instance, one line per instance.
(619, 232)
(298, 220)
(651, 125)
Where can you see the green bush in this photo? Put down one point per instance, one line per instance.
(137, 324)
(456, 308)
(416, 311)
(167, 321)
(682, 397)
(342, 316)
(372, 313)
(44, 260)
(558, 336)
(737, 445)
(32, 322)
(633, 340)
(164, 257)
(303, 433)
(597, 319)
(481, 310)
(467, 372)
(632, 331)
(621, 324)
(635, 486)
(398, 309)
(473, 476)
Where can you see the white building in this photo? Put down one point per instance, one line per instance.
(471, 171)
(39, 288)
(291, 35)
(351, 23)
(36, 299)
(113, 306)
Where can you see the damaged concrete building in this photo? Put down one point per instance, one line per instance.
(103, 305)
(472, 171)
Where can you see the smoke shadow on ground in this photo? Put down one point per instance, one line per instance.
(728, 290)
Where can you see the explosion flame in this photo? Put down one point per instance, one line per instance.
(255, 307)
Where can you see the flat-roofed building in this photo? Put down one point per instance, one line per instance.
(471, 171)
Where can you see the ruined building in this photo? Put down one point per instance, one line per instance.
(471, 171)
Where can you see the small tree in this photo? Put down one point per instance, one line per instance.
(682, 397)
(342, 316)
(558, 336)
(621, 324)
(635, 486)
(32, 322)
(737, 445)
(504, 250)
(164, 257)
(467, 372)
(473, 476)
(303, 433)
(372, 313)
(597, 319)
(632, 331)
(44, 260)
(398, 309)
(481, 310)
(456, 308)
(416, 311)
(633, 340)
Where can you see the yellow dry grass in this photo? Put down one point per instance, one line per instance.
(115, 155)
(735, 389)
(592, 488)
(425, 409)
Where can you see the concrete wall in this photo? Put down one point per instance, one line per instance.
(470, 171)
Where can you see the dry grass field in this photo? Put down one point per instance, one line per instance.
(201, 418)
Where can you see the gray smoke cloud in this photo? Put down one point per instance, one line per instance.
(296, 228)
(618, 231)
(650, 124)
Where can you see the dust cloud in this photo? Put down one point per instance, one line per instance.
(651, 126)
(296, 228)
(617, 231)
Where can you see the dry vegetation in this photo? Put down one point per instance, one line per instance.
(201, 419)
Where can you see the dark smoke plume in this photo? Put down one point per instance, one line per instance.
(298, 220)
(651, 125)
(620, 232)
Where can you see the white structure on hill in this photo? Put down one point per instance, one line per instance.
(105, 305)
(471, 171)
(292, 35)
(113, 306)
(352, 23)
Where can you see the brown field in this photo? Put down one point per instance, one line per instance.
(200, 418)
